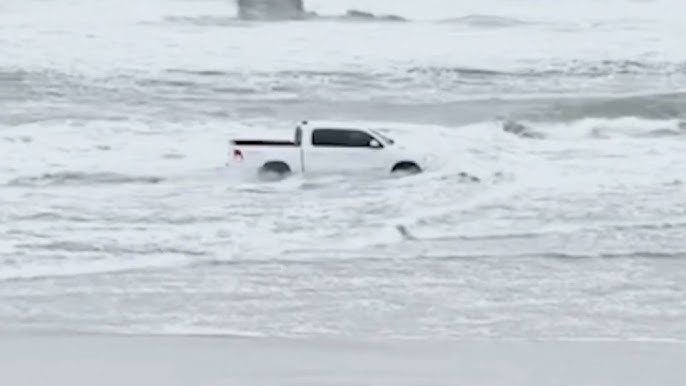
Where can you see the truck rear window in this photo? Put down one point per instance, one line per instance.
(341, 138)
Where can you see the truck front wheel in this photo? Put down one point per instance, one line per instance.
(274, 170)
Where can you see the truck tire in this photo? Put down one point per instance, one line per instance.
(406, 167)
(274, 170)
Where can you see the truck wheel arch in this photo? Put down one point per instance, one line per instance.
(279, 168)
(410, 167)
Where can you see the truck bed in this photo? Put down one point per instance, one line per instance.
(262, 142)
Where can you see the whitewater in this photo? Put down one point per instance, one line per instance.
(118, 215)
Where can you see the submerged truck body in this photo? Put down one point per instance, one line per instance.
(326, 147)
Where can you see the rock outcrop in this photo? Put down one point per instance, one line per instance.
(271, 9)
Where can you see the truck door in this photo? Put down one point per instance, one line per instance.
(334, 150)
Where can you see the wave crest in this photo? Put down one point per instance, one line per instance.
(628, 126)
(82, 178)
(487, 21)
(581, 68)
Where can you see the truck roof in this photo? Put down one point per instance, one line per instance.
(356, 124)
(334, 124)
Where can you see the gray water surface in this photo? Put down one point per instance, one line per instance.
(117, 213)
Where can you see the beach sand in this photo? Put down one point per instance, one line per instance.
(101, 360)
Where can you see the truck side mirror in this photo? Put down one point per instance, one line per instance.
(374, 143)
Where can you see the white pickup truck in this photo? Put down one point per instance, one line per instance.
(326, 147)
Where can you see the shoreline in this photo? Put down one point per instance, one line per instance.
(37, 359)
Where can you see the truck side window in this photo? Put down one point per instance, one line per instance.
(340, 138)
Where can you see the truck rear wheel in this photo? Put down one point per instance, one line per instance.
(274, 170)
(406, 167)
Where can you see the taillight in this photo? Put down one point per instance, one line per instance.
(237, 154)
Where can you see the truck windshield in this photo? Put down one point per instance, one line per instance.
(383, 137)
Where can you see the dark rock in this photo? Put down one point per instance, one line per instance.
(357, 14)
(271, 9)
(521, 130)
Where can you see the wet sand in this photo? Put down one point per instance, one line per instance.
(90, 360)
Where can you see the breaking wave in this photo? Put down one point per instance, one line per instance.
(81, 247)
(577, 67)
(487, 21)
(73, 267)
(629, 126)
(82, 178)
(351, 15)
(352, 258)
(557, 90)
(654, 106)
(158, 218)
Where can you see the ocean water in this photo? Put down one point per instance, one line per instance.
(118, 215)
